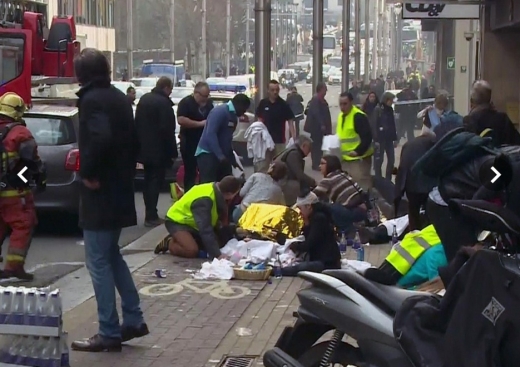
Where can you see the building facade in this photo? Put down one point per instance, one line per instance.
(94, 22)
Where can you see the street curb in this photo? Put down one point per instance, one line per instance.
(76, 287)
(146, 242)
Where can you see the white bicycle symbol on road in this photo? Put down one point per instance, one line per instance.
(218, 289)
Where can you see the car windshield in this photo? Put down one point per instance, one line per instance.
(326, 68)
(180, 93)
(49, 131)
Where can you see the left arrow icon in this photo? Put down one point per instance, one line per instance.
(20, 175)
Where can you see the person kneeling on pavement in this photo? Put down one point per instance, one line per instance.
(296, 179)
(413, 261)
(320, 243)
(347, 204)
(193, 220)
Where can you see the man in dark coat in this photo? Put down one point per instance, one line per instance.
(415, 185)
(155, 122)
(318, 123)
(108, 152)
(386, 136)
(407, 112)
(483, 115)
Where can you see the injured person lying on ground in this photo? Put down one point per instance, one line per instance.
(195, 220)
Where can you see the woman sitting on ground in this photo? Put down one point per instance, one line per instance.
(262, 188)
(347, 202)
(320, 243)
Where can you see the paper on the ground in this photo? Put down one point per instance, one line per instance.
(259, 250)
(400, 223)
(217, 269)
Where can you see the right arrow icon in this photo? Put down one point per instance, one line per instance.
(497, 174)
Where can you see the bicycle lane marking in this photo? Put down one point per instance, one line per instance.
(220, 289)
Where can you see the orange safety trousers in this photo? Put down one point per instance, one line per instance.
(17, 217)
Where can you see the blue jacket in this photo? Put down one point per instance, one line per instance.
(217, 137)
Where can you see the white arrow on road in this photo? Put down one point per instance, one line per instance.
(20, 174)
(497, 174)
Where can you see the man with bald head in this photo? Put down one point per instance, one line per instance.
(483, 115)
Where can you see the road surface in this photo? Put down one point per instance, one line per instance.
(57, 249)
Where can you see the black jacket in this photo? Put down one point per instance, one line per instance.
(155, 122)
(320, 238)
(486, 117)
(108, 151)
(413, 182)
(295, 101)
(385, 123)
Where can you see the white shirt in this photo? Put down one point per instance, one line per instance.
(259, 141)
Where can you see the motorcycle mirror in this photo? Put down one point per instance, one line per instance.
(483, 235)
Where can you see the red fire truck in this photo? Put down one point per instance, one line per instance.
(28, 57)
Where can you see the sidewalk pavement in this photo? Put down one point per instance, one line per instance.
(197, 323)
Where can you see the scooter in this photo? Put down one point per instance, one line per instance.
(349, 304)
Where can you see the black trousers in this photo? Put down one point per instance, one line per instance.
(415, 202)
(316, 152)
(153, 182)
(211, 169)
(385, 147)
(453, 230)
(188, 148)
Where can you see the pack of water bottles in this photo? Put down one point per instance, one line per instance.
(34, 351)
(31, 328)
(30, 311)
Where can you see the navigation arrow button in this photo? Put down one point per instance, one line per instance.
(497, 174)
(20, 175)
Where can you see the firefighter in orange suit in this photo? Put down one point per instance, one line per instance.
(20, 168)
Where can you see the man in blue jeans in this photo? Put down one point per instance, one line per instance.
(107, 144)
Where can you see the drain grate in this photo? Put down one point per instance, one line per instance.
(240, 361)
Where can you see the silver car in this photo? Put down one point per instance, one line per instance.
(55, 129)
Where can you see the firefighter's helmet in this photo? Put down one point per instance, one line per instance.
(12, 106)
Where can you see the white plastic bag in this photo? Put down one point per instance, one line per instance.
(290, 142)
(330, 142)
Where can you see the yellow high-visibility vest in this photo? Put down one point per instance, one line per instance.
(348, 137)
(404, 254)
(180, 211)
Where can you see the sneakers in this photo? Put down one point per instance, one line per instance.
(163, 246)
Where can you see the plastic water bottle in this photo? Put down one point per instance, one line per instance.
(30, 308)
(41, 309)
(45, 351)
(395, 237)
(278, 266)
(359, 247)
(55, 355)
(14, 350)
(5, 305)
(343, 245)
(35, 351)
(17, 308)
(23, 352)
(65, 361)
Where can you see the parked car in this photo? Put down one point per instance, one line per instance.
(179, 93)
(55, 129)
(149, 82)
(123, 86)
(335, 76)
